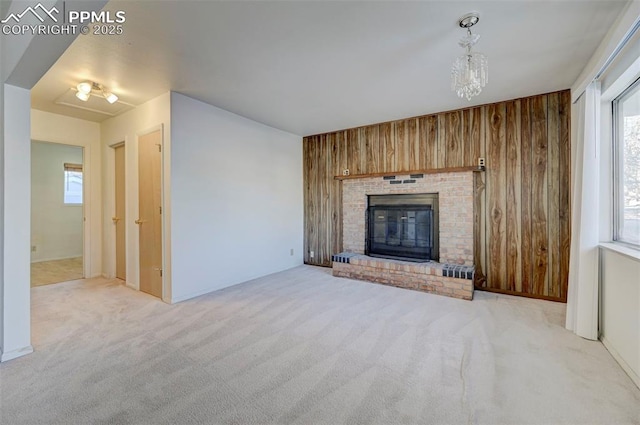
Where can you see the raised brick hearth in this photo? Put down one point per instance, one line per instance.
(453, 274)
(442, 279)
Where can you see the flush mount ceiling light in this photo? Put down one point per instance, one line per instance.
(87, 88)
(470, 71)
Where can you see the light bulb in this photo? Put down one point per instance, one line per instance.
(82, 96)
(84, 87)
(111, 98)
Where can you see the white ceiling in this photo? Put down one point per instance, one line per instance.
(311, 67)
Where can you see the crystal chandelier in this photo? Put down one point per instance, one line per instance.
(470, 71)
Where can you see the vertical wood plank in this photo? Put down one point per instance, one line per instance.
(475, 120)
(313, 198)
(414, 145)
(428, 142)
(383, 135)
(323, 217)
(387, 140)
(344, 151)
(553, 193)
(478, 229)
(339, 156)
(454, 152)
(465, 137)
(539, 225)
(306, 191)
(564, 113)
(309, 191)
(483, 197)
(402, 146)
(441, 137)
(372, 146)
(356, 156)
(496, 183)
(423, 146)
(362, 147)
(513, 213)
(525, 194)
(327, 201)
(332, 162)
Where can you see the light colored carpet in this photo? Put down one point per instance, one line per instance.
(55, 271)
(303, 347)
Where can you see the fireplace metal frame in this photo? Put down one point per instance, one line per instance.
(403, 202)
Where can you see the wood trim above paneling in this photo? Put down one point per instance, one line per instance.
(403, 173)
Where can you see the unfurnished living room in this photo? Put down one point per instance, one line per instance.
(320, 212)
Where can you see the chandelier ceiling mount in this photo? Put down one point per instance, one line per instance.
(469, 20)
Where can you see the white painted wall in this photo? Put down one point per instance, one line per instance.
(620, 317)
(2, 131)
(126, 128)
(16, 335)
(56, 228)
(236, 198)
(60, 129)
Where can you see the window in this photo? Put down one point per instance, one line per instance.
(626, 109)
(72, 184)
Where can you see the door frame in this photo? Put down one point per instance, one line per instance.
(87, 207)
(112, 161)
(109, 184)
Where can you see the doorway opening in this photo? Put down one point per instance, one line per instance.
(57, 213)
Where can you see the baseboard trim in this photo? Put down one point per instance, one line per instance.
(179, 299)
(625, 366)
(14, 354)
(55, 259)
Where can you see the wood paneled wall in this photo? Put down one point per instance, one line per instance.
(522, 206)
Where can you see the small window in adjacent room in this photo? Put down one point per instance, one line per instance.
(72, 184)
(626, 109)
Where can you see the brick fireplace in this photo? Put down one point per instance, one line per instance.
(452, 275)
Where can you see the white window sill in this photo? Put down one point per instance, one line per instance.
(625, 250)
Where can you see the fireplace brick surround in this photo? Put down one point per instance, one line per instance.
(455, 191)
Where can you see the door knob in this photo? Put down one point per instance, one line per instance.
(115, 219)
(138, 221)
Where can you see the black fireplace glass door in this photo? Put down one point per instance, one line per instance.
(424, 229)
(401, 231)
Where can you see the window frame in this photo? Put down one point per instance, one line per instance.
(617, 162)
(72, 168)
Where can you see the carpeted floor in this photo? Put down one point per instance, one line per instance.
(304, 347)
(55, 271)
